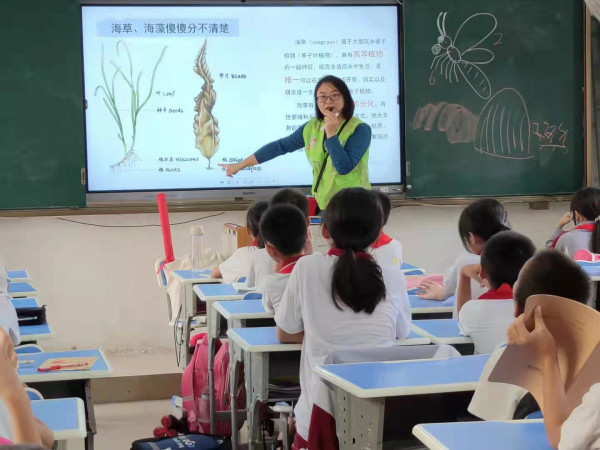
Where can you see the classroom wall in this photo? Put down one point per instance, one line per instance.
(101, 289)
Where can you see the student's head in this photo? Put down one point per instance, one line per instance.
(386, 205)
(352, 221)
(283, 229)
(292, 197)
(332, 92)
(504, 255)
(585, 206)
(480, 221)
(550, 272)
(253, 216)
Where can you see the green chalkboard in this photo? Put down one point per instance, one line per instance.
(493, 97)
(41, 104)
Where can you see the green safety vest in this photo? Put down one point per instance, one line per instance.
(331, 181)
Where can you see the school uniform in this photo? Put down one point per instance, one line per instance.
(274, 285)
(452, 276)
(387, 251)
(495, 401)
(307, 305)
(261, 265)
(571, 241)
(238, 264)
(581, 430)
(487, 319)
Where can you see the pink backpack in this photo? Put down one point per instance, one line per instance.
(194, 387)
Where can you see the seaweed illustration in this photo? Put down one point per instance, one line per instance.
(130, 157)
(206, 126)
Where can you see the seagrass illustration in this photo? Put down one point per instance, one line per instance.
(206, 126)
(135, 101)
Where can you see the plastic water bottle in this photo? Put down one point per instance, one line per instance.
(197, 248)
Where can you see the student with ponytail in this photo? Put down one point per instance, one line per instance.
(342, 300)
(585, 214)
(478, 222)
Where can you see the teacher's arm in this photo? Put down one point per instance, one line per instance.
(345, 158)
(268, 152)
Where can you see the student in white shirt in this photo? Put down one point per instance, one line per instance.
(283, 229)
(478, 222)
(487, 318)
(585, 214)
(548, 272)
(581, 429)
(342, 300)
(294, 197)
(386, 250)
(238, 264)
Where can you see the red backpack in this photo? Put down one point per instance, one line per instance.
(194, 387)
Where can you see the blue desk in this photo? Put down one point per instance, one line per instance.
(261, 354)
(409, 269)
(64, 416)
(513, 435)
(441, 331)
(591, 268)
(209, 294)
(32, 333)
(25, 302)
(188, 279)
(17, 275)
(361, 390)
(422, 306)
(20, 289)
(62, 384)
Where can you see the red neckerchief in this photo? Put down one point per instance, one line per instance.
(585, 226)
(288, 265)
(254, 243)
(382, 240)
(334, 251)
(504, 292)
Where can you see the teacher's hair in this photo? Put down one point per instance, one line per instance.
(338, 83)
(353, 219)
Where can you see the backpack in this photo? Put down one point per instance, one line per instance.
(194, 388)
(187, 441)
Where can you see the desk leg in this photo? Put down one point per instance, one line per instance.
(211, 317)
(235, 359)
(359, 421)
(73, 388)
(257, 390)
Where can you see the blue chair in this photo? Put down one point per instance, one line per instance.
(28, 348)
(253, 296)
(34, 394)
(535, 415)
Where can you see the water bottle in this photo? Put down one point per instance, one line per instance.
(197, 248)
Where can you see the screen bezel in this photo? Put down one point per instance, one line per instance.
(236, 193)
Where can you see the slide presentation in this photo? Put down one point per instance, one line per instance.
(171, 92)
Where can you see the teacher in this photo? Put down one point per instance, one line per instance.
(334, 134)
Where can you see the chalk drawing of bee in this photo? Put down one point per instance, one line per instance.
(451, 60)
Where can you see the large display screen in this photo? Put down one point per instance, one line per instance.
(173, 91)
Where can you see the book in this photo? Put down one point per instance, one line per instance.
(576, 331)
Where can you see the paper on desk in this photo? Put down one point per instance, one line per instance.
(576, 330)
(76, 363)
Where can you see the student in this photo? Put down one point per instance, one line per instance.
(477, 223)
(17, 423)
(298, 199)
(487, 319)
(548, 272)
(342, 300)
(283, 229)
(385, 249)
(238, 264)
(585, 213)
(580, 429)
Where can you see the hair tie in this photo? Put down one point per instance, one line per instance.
(335, 251)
